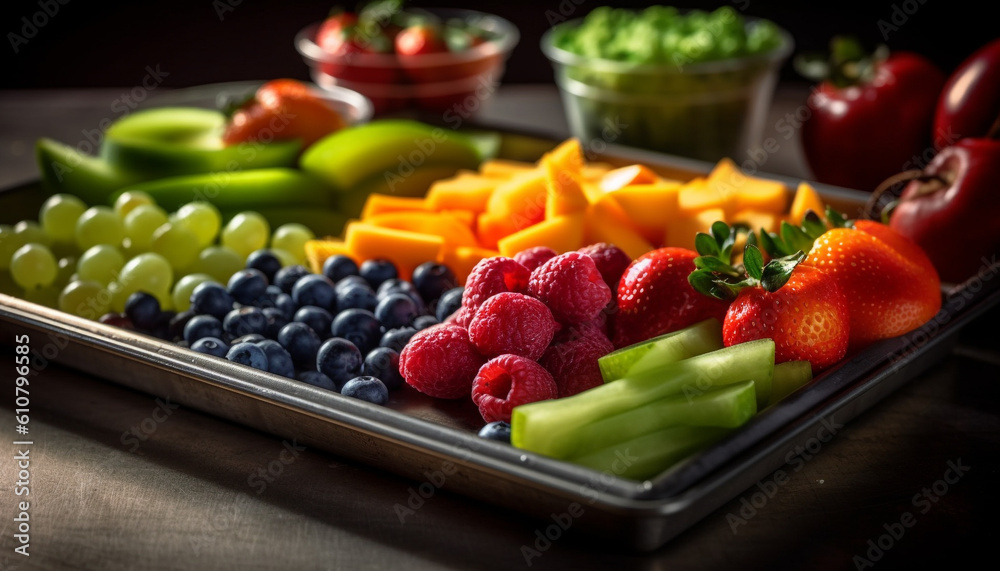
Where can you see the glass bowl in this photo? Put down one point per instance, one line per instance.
(706, 110)
(434, 82)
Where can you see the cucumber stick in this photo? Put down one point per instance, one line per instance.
(544, 425)
(648, 455)
(66, 170)
(788, 377)
(635, 359)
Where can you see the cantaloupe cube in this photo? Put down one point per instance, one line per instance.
(317, 251)
(465, 191)
(697, 195)
(594, 172)
(627, 176)
(561, 233)
(453, 231)
(568, 156)
(491, 227)
(381, 203)
(564, 191)
(524, 194)
(806, 199)
(503, 168)
(406, 249)
(461, 260)
(681, 233)
(756, 220)
(649, 207)
(466, 217)
(607, 222)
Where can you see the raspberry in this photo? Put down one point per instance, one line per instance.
(611, 261)
(573, 363)
(440, 361)
(461, 318)
(571, 286)
(492, 276)
(534, 257)
(508, 381)
(512, 323)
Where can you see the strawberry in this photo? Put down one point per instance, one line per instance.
(800, 308)
(654, 297)
(890, 284)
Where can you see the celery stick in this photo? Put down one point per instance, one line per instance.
(543, 425)
(726, 407)
(697, 339)
(788, 377)
(650, 454)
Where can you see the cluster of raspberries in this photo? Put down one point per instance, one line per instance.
(530, 328)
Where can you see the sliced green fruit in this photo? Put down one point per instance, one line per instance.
(697, 339)
(391, 149)
(553, 425)
(648, 455)
(174, 141)
(66, 170)
(788, 377)
(241, 190)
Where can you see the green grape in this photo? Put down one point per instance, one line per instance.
(219, 262)
(8, 286)
(33, 266)
(149, 272)
(202, 218)
(285, 257)
(58, 216)
(85, 298)
(100, 263)
(177, 244)
(246, 232)
(182, 290)
(9, 243)
(65, 270)
(30, 231)
(99, 225)
(140, 225)
(47, 296)
(128, 201)
(292, 238)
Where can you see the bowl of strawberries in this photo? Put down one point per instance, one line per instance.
(430, 59)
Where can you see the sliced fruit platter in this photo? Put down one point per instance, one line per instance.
(634, 331)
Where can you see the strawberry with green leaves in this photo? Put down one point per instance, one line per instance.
(799, 307)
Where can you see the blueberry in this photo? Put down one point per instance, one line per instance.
(202, 326)
(317, 379)
(210, 298)
(377, 271)
(248, 354)
(349, 281)
(424, 321)
(211, 346)
(396, 285)
(301, 342)
(339, 359)
(497, 430)
(176, 326)
(432, 279)
(449, 303)
(279, 361)
(273, 291)
(249, 338)
(244, 321)
(317, 318)
(286, 304)
(383, 363)
(265, 262)
(287, 276)
(339, 266)
(161, 329)
(396, 310)
(367, 389)
(276, 319)
(314, 289)
(143, 309)
(247, 286)
(355, 296)
(396, 339)
(359, 326)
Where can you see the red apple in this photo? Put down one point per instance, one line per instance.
(970, 101)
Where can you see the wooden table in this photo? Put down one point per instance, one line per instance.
(189, 495)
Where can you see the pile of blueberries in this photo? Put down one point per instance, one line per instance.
(340, 330)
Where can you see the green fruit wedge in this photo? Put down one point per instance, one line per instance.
(788, 377)
(697, 339)
(66, 170)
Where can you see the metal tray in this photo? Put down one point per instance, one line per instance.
(434, 442)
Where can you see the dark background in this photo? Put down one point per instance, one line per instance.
(94, 44)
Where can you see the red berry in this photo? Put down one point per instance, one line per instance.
(611, 261)
(492, 276)
(512, 323)
(440, 361)
(571, 286)
(508, 381)
(573, 362)
(534, 257)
